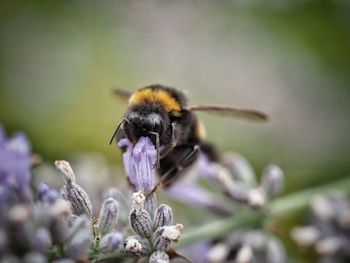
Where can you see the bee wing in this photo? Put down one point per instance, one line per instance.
(122, 94)
(231, 112)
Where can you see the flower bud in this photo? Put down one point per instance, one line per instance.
(256, 240)
(52, 196)
(245, 255)
(238, 192)
(42, 240)
(34, 257)
(329, 245)
(72, 192)
(322, 207)
(134, 246)
(79, 199)
(111, 242)
(172, 232)
(78, 247)
(108, 216)
(275, 252)
(150, 204)
(144, 159)
(164, 216)
(163, 236)
(256, 199)
(240, 168)
(61, 208)
(43, 189)
(59, 230)
(116, 195)
(218, 253)
(305, 236)
(66, 169)
(141, 222)
(79, 223)
(159, 257)
(138, 200)
(18, 214)
(272, 180)
(160, 242)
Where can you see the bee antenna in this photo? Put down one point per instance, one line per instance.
(118, 127)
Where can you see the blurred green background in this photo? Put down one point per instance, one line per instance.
(290, 59)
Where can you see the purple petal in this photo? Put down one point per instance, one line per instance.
(127, 160)
(124, 143)
(116, 240)
(145, 164)
(19, 144)
(190, 194)
(15, 163)
(206, 168)
(139, 163)
(43, 189)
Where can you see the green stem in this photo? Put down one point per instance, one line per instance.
(278, 207)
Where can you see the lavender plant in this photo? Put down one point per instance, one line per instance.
(38, 224)
(328, 232)
(153, 225)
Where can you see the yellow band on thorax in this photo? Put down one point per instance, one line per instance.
(158, 96)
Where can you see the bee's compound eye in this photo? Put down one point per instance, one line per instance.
(135, 119)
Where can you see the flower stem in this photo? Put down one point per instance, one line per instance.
(278, 207)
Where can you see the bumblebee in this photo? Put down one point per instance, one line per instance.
(163, 114)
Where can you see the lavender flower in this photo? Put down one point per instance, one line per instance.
(141, 222)
(195, 195)
(135, 246)
(42, 239)
(273, 180)
(328, 232)
(108, 216)
(72, 192)
(15, 164)
(163, 216)
(139, 163)
(47, 194)
(78, 246)
(159, 257)
(239, 168)
(34, 257)
(164, 235)
(159, 232)
(111, 242)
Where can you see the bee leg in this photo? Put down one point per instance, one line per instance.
(174, 140)
(171, 174)
(188, 159)
(157, 165)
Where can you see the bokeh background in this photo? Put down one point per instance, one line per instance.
(59, 61)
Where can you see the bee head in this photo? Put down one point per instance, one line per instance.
(143, 123)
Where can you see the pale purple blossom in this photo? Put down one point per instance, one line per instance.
(47, 194)
(194, 195)
(139, 163)
(15, 164)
